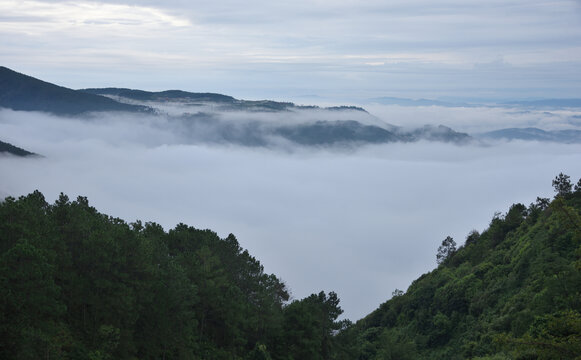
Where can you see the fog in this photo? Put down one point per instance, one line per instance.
(361, 222)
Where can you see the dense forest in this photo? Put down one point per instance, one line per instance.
(78, 284)
(511, 292)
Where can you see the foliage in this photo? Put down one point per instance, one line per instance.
(447, 249)
(78, 284)
(562, 184)
(510, 292)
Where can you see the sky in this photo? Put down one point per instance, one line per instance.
(362, 222)
(303, 50)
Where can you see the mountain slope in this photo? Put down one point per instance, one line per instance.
(23, 92)
(14, 150)
(79, 284)
(512, 292)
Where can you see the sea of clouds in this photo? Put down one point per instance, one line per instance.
(359, 221)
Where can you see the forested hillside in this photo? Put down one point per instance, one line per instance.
(78, 284)
(512, 292)
(23, 92)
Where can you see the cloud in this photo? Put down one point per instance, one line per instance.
(265, 48)
(38, 17)
(360, 223)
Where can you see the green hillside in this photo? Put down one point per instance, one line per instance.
(512, 292)
(78, 284)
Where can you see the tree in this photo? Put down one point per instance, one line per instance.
(578, 186)
(562, 184)
(447, 249)
(310, 325)
(397, 292)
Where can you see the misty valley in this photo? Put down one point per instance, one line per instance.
(194, 118)
(181, 225)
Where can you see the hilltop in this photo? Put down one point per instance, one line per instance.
(25, 93)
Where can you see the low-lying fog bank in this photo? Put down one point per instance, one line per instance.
(360, 222)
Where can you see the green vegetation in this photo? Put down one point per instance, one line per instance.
(77, 284)
(512, 292)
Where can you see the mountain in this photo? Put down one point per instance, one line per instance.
(534, 134)
(439, 133)
(323, 133)
(511, 292)
(217, 118)
(220, 102)
(213, 128)
(168, 95)
(14, 150)
(547, 103)
(386, 100)
(23, 92)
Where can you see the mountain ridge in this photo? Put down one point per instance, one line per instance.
(568, 136)
(210, 119)
(22, 92)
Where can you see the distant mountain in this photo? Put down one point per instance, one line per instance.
(534, 134)
(413, 102)
(168, 95)
(14, 150)
(207, 117)
(336, 132)
(547, 103)
(439, 133)
(23, 92)
(223, 102)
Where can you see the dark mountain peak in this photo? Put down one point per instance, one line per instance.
(23, 92)
(14, 150)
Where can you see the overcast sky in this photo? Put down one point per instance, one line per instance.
(340, 49)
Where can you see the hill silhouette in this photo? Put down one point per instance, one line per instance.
(23, 92)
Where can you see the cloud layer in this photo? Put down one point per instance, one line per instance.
(360, 223)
